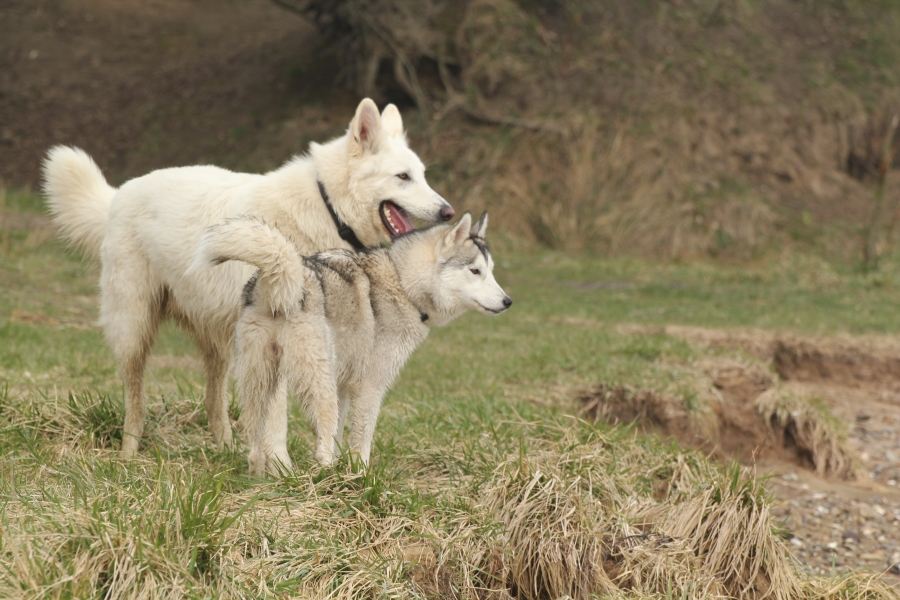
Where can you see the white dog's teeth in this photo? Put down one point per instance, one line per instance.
(387, 213)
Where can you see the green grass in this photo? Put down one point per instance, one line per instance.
(481, 477)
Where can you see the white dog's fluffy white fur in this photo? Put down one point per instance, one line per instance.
(147, 233)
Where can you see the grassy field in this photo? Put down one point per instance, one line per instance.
(484, 482)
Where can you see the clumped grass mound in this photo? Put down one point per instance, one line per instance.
(805, 423)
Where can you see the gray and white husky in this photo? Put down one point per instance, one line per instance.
(337, 327)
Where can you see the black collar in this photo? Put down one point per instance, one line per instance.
(344, 230)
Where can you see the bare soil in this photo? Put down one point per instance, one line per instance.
(835, 524)
(144, 85)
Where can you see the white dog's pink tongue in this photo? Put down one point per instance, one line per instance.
(397, 219)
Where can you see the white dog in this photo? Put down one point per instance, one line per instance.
(354, 191)
(338, 326)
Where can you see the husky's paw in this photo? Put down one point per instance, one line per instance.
(257, 460)
(129, 447)
(279, 462)
(221, 434)
(325, 457)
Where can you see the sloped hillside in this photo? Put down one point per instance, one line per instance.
(673, 129)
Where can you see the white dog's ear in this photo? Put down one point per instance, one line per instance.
(365, 128)
(391, 122)
(480, 226)
(459, 232)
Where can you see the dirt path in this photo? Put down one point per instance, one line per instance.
(840, 525)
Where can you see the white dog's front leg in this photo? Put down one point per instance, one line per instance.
(365, 408)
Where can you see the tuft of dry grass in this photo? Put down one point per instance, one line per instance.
(587, 517)
(728, 524)
(553, 542)
(805, 424)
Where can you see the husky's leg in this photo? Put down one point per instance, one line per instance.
(275, 430)
(365, 407)
(257, 374)
(343, 409)
(309, 365)
(322, 404)
(216, 357)
(130, 311)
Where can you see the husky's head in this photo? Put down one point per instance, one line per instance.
(385, 179)
(464, 270)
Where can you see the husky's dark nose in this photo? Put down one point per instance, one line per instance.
(507, 301)
(447, 212)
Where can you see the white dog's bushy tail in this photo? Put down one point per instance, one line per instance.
(281, 271)
(78, 197)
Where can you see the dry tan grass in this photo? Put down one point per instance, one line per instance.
(617, 192)
(554, 541)
(576, 510)
(572, 527)
(581, 191)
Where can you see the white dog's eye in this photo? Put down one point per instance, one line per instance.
(403, 176)
(475, 271)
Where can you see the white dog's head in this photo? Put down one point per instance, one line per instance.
(465, 270)
(386, 179)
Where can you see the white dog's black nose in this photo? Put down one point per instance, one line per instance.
(507, 301)
(447, 212)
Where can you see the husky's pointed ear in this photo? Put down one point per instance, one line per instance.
(365, 128)
(391, 122)
(480, 226)
(459, 232)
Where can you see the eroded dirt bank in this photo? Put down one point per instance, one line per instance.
(838, 516)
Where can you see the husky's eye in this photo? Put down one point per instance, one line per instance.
(475, 271)
(403, 176)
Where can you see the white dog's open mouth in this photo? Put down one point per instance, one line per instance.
(394, 218)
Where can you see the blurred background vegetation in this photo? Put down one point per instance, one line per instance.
(735, 130)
